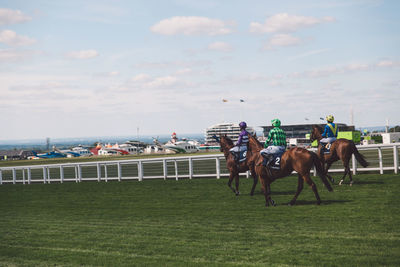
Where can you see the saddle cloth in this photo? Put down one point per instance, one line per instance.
(276, 160)
(242, 155)
(326, 148)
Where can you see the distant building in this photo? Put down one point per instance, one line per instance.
(300, 130)
(232, 130)
(15, 154)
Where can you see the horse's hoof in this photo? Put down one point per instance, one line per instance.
(291, 203)
(351, 183)
(237, 193)
(318, 202)
(341, 181)
(273, 203)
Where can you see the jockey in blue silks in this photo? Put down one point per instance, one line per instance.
(330, 132)
(242, 142)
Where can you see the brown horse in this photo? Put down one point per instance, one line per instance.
(235, 168)
(340, 149)
(295, 159)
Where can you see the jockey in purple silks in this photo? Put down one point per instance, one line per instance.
(242, 142)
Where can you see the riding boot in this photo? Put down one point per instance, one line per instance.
(322, 152)
(236, 156)
(267, 160)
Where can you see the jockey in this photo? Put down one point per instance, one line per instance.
(278, 138)
(330, 132)
(242, 142)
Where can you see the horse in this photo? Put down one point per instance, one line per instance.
(235, 168)
(295, 159)
(340, 149)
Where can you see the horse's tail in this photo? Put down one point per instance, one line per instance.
(320, 171)
(360, 158)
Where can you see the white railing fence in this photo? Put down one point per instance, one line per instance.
(381, 157)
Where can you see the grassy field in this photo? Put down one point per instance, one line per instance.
(199, 222)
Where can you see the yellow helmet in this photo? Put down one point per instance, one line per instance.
(330, 118)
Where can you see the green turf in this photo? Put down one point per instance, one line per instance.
(199, 222)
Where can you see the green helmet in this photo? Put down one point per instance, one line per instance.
(276, 122)
(330, 118)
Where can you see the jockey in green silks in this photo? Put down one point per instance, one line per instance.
(275, 143)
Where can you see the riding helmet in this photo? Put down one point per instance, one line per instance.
(330, 118)
(243, 125)
(276, 122)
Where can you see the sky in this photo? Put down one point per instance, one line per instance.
(119, 68)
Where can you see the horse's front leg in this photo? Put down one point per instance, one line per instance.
(237, 183)
(231, 176)
(255, 180)
(265, 189)
(270, 200)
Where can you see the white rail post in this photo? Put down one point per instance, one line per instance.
(1, 177)
(119, 171)
(354, 164)
(79, 173)
(44, 175)
(105, 172)
(396, 159)
(98, 172)
(140, 170)
(218, 167)
(14, 174)
(380, 160)
(76, 174)
(190, 168)
(61, 174)
(29, 175)
(176, 169)
(48, 175)
(165, 169)
(23, 175)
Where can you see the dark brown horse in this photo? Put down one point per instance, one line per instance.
(235, 168)
(295, 159)
(340, 149)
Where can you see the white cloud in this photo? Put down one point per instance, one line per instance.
(357, 67)
(83, 54)
(10, 55)
(284, 22)
(164, 81)
(387, 63)
(9, 16)
(113, 73)
(183, 71)
(310, 53)
(11, 38)
(282, 40)
(192, 26)
(220, 46)
(141, 78)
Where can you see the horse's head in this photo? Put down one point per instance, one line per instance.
(254, 144)
(316, 133)
(225, 142)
